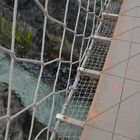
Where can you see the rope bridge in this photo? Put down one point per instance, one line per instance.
(79, 96)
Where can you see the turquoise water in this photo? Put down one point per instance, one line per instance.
(25, 84)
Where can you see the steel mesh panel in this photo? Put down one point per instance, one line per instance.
(79, 105)
(82, 98)
(114, 7)
(97, 56)
(70, 133)
(107, 28)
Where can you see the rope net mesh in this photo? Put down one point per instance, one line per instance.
(78, 94)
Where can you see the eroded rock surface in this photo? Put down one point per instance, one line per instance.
(20, 126)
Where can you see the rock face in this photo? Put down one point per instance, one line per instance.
(20, 126)
(30, 22)
(29, 33)
(16, 131)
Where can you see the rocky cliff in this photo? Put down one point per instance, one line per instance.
(20, 126)
(30, 27)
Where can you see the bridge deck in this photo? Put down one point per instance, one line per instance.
(115, 111)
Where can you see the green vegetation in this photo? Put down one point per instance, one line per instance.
(25, 45)
(22, 38)
(5, 30)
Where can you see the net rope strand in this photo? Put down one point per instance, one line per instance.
(58, 69)
(11, 68)
(72, 109)
(40, 75)
(76, 93)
